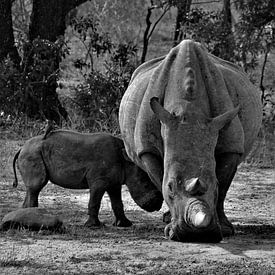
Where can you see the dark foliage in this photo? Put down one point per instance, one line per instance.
(208, 27)
(98, 98)
(106, 68)
(28, 88)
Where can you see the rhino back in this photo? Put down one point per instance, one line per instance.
(69, 156)
(243, 93)
(221, 85)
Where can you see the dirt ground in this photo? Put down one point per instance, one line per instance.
(142, 248)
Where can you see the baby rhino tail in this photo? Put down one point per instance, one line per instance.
(15, 182)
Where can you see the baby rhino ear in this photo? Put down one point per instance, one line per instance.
(124, 153)
(220, 121)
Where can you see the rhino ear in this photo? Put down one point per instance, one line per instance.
(220, 121)
(162, 114)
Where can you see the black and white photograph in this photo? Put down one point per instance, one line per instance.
(137, 137)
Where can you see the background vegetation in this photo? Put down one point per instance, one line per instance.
(71, 61)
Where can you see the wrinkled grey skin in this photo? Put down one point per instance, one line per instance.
(185, 186)
(81, 161)
(188, 119)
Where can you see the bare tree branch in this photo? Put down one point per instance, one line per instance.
(158, 20)
(262, 73)
(148, 31)
(209, 2)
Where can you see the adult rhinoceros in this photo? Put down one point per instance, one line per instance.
(188, 119)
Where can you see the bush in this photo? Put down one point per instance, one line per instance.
(97, 99)
(106, 67)
(10, 89)
(208, 27)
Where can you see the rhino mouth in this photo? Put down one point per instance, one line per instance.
(177, 233)
(198, 225)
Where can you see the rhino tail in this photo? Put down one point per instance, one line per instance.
(15, 182)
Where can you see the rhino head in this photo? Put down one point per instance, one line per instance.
(190, 186)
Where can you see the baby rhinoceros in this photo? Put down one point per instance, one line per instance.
(80, 161)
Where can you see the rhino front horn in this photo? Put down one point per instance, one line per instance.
(201, 219)
(199, 216)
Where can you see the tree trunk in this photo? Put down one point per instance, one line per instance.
(48, 22)
(227, 17)
(229, 39)
(145, 36)
(183, 9)
(7, 47)
(48, 19)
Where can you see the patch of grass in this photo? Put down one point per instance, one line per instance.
(242, 266)
(8, 148)
(263, 230)
(10, 259)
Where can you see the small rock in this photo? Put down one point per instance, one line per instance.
(32, 218)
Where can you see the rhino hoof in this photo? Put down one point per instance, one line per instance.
(122, 223)
(93, 224)
(226, 227)
(227, 230)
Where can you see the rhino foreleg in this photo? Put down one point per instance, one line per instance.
(226, 167)
(117, 206)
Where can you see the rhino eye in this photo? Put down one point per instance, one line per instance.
(170, 186)
(201, 125)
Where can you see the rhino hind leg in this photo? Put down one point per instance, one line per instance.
(35, 177)
(226, 167)
(117, 206)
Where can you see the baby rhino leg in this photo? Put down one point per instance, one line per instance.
(34, 175)
(114, 193)
(97, 190)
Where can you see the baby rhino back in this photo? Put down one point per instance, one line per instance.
(70, 156)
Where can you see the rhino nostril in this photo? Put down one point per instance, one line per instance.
(170, 186)
(169, 232)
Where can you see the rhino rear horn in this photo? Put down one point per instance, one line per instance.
(162, 114)
(195, 187)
